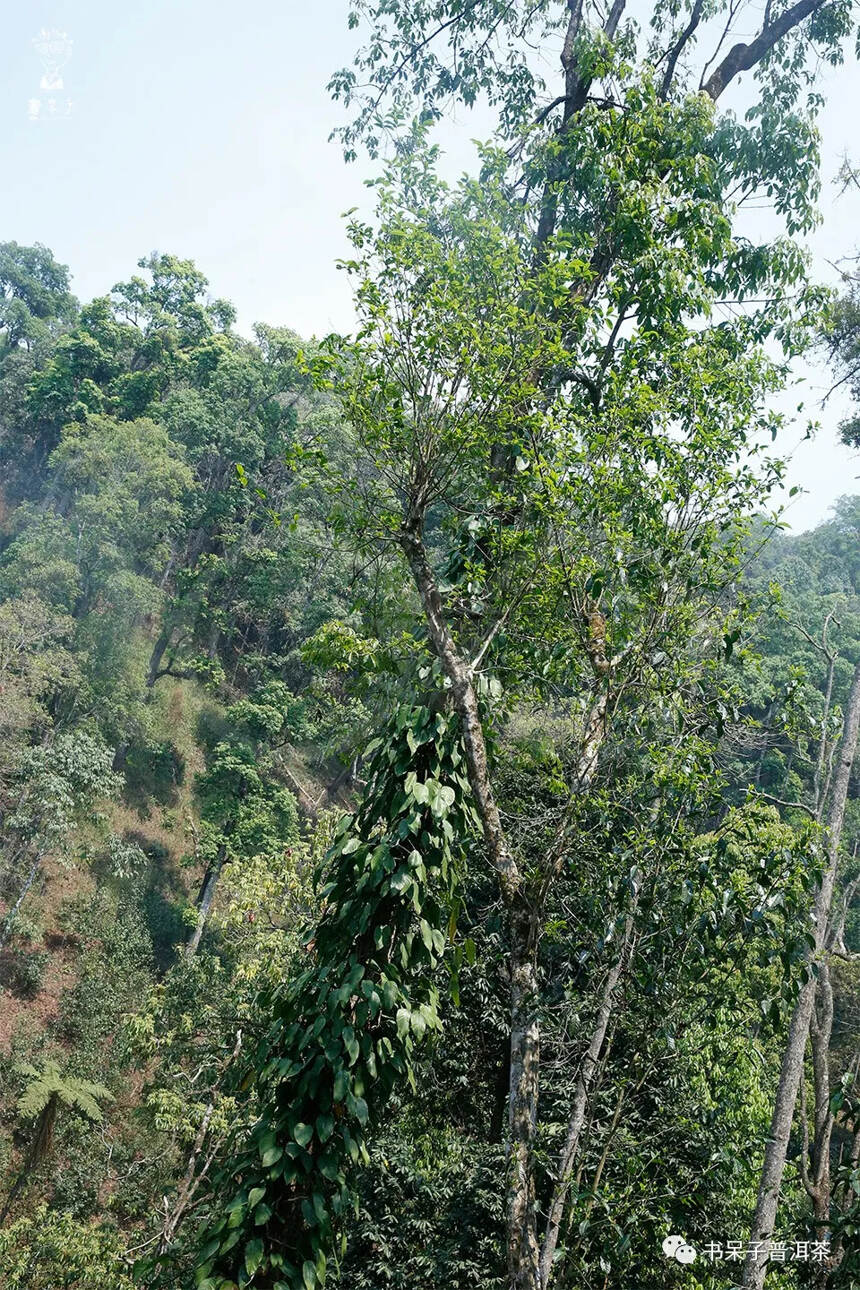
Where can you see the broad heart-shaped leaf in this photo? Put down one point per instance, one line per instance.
(303, 1134)
(262, 1214)
(253, 1256)
(359, 1107)
(266, 1142)
(351, 1044)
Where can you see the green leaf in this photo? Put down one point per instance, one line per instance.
(325, 1127)
(303, 1134)
(253, 1256)
(360, 1110)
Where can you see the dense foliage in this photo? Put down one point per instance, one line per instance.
(430, 848)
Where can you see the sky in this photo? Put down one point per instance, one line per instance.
(201, 129)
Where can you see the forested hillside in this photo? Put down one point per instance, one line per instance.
(430, 821)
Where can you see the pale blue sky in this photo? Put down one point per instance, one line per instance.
(201, 129)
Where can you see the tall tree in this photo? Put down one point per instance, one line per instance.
(447, 50)
(548, 391)
(34, 293)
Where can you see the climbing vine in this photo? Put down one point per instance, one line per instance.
(342, 1034)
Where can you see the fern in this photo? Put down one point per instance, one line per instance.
(48, 1083)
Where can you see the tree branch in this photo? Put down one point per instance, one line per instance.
(742, 58)
(678, 47)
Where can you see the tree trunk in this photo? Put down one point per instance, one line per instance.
(204, 900)
(6, 930)
(822, 1029)
(821, 796)
(187, 1187)
(522, 1245)
(193, 1176)
(522, 1242)
(576, 1120)
(158, 650)
(525, 905)
(41, 1144)
(791, 1071)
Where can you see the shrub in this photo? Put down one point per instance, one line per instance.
(24, 972)
(52, 1251)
